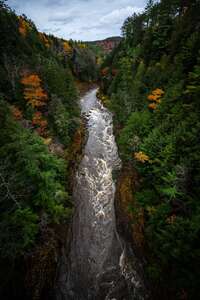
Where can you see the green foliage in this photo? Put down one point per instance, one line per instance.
(160, 50)
(133, 133)
(126, 88)
(84, 61)
(60, 120)
(32, 182)
(59, 82)
(18, 232)
(55, 78)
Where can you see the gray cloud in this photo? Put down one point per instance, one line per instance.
(78, 19)
(54, 2)
(62, 19)
(52, 30)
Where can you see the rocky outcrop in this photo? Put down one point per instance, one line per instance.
(130, 228)
(130, 216)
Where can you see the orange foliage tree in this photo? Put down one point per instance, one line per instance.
(24, 26)
(105, 71)
(155, 97)
(39, 122)
(33, 92)
(152, 106)
(16, 112)
(44, 39)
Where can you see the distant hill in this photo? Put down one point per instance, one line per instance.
(107, 44)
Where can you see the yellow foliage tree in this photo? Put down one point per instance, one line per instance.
(82, 45)
(47, 141)
(33, 92)
(151, 210)
(67, 48)
(98, 61)
(171, 219)
(141, 157)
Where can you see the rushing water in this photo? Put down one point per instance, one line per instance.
(97, 266)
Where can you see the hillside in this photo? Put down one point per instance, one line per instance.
(40, 143)
(108, 44)
(151, 84)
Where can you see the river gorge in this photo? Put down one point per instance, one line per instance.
(97, 265)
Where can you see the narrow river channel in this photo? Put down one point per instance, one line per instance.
(97, 266)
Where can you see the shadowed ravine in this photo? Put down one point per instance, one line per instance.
(97, 266)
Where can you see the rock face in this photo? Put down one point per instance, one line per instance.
(97, 264)
(130, 223)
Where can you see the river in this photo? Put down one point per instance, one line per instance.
(97, 266)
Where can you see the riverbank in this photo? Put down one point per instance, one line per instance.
(129, 215)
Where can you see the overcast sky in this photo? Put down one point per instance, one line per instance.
(78, 19)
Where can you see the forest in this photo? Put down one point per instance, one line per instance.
(40, 142)
(150, 83)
